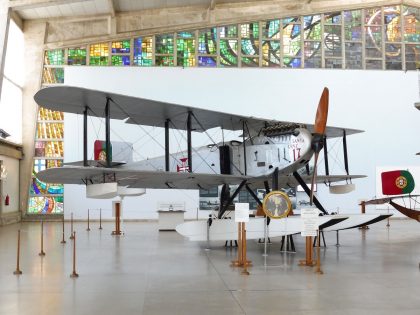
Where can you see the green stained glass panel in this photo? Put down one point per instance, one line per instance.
(53, 75)
(54, 57)
(271, 29)
(230, 31)
(98, 54)
(117, 60)
(185, 52)
(250, 62)
(229, 52)
(76, 57)
(250, 47)
(292, 40)
(165, 61)
(164, 44)
(207, 44)
(312, 25)
(250, 30)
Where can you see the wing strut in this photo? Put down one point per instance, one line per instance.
(167, 145)
(85, 136)
(189, 142)
(224, 207)
(253, 195)
(308, 192)
(327, 169)
(108, 132)
(243, 141)
(346, 160)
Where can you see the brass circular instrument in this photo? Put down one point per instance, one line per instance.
(277, 205)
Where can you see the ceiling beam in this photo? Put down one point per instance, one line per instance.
(111, 5)
(32, 4)
(212, 4)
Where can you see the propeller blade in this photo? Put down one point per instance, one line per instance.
(319, 132)
(322, 113)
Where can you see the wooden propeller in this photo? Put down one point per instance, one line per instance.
(319, 133)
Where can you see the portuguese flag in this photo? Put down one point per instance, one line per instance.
(397, 182)
(100, 150)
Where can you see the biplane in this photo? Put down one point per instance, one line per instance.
(271, 155)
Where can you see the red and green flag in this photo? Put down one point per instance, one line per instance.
(397, 182)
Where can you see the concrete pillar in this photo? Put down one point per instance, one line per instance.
(4, 31)
(34, 36)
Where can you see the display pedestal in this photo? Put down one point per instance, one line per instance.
(168, 220)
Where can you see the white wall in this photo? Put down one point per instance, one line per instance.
(10, 186)
(379, 102)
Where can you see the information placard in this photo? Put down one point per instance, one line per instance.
(309, 221)
(241, 212)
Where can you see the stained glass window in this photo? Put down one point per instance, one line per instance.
(250, 44)
(185, 54)
(53, 75)
(412, 57)
(49, 149)
(271, 29)
(76, 56)
(47, 114)
(165, 61)
(54, 57)
(230, 31)
(354, 55)
(393, 57)
(292, 45)
(312, 55)
(373, 42)
(411, 24)
(271, 53)
(46, 130)
(121, 47)
(98, 54)
(165, 44)
(207, 47)
(117, 60)
(46, 205)
(353, 25)
(312, 25)
(143, 51)
(229, 52)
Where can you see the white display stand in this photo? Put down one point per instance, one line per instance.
(170, 215)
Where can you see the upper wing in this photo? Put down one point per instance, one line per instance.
(135, 178)
(149, 112)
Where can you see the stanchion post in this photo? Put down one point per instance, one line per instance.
(71, 227)
(308, 261)
(318, 254)
(42, 253)
(238, 262)
(18, 271)
(100, 218)
(88, 227)
(246, 263)
(74, 274)
(63, 241)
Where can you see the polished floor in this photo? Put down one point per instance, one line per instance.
(147, 272)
